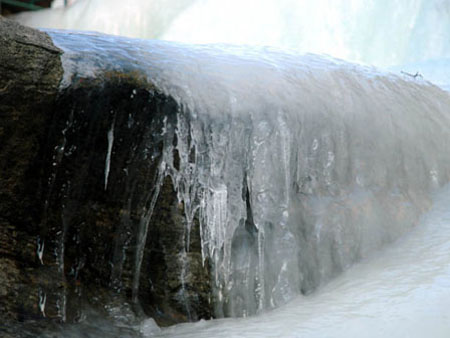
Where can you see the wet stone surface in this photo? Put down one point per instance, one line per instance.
(79, 167)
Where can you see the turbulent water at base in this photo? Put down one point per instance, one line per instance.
(297, 166)
(403, 292)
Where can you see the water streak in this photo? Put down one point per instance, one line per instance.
(109, 151)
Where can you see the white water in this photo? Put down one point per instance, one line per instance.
(402, 35)
(403, 292)
(133, 18)
(379, 32)
(335, 161)
(339, 160)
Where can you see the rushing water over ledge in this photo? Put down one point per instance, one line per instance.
(294, 166)
(381, 32)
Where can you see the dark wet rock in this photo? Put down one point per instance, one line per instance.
(30, 72)
(71, 215)
(102, 220)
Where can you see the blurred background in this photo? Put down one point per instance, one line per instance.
(15, 6)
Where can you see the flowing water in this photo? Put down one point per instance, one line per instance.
(135, 18)
(402, 35)
(298, 166)
(379, 32)
(402, 292)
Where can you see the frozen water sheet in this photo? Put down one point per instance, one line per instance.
(296, 165)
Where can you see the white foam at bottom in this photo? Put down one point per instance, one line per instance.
(403, 292)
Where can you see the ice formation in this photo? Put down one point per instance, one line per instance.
(108, 153)
(402, 291)
(296, 166)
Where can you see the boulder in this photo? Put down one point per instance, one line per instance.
(30, 72)
(85, 220)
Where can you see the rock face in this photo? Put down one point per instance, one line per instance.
(30, 72)
(77, 189)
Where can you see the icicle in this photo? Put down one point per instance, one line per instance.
(120, 247)
(40, 249)
(330, 152)
(260, 291)
(216, 223)
(110, 136)
(143, 227)
(42, 301)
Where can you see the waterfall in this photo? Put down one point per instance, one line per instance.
(135, 18)
(276, 180)
(353, 30)
(295, 166)
(402, 291)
